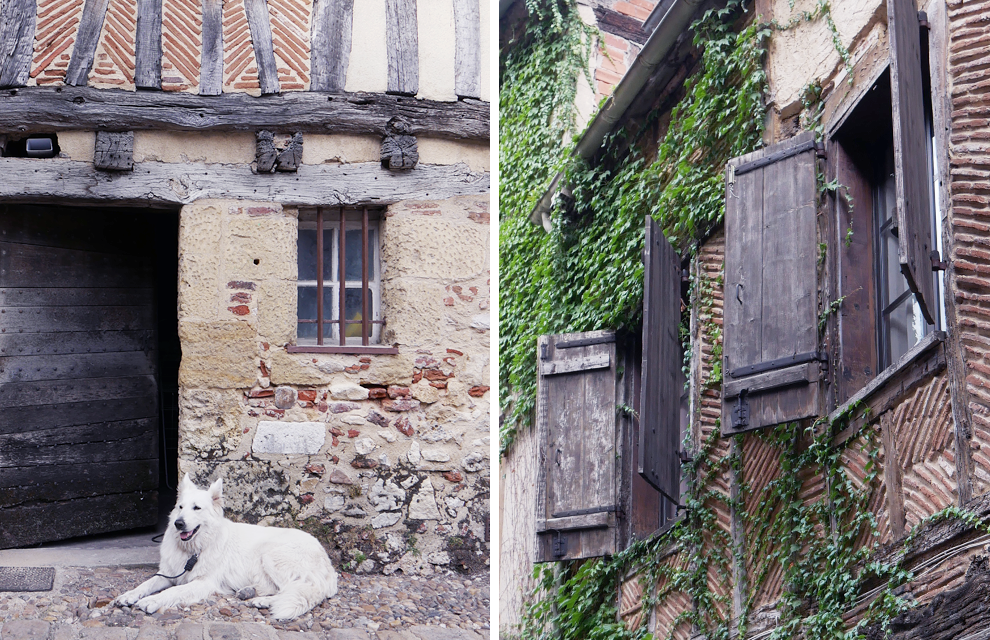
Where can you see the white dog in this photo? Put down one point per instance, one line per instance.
(288, 570)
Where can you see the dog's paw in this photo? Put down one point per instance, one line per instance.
(127, 599)
(262, 602)
(151, 604)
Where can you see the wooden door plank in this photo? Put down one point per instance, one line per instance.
(17, 394)
(21, 264)
(86, 444)
(467, 52)
(87, 37)
(17, 24)
(211, 60)
(38, 417)
(30, 524)
(24, 344)
(264, 50)
(19, 485)
(912, 180)
(83, 365)
(330, 44)
(74, 297)
(122, 233)
(91, 318)
(402, 46)
(148, 47)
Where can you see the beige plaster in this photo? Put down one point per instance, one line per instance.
(805, 53)
(367, 68)
(77, 145)
(320, 148)
(437, 43)
(229, 147)
(440, 151)
(585, 104)
(485, 77)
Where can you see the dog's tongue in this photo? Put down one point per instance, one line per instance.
(185, 535)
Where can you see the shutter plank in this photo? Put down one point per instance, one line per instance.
(659, 411)
(148, 47)
(17, 23)
(771, 289)
(576, 427)
(88, 36)
(912, 180)
(402, 45)
(331, 44)
(597, 361)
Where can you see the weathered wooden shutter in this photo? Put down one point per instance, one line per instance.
(659, 407)
(576, 495)
(771, 367)
(912, 180)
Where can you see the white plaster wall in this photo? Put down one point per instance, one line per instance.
(485, 77)
(436, 50)
(805, 52)
(368, 65)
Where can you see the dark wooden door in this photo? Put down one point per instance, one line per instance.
(78, 392)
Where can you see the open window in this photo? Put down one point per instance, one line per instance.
(609, 424)
(782, 333)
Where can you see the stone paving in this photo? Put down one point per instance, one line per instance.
(367, 607)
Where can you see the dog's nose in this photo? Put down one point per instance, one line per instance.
(180, 524)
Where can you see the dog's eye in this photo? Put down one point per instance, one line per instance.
(195, 507)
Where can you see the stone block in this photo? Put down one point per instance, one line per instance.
(389, 370)
(424, 632)
(424, 504)
(304, 438)
(189, 631)
(425, 393)
(201, 227)
(348, 391)
(25, 630)
(224, 632)
(434, 247)
(277, 312)
(347, 634)
(295, 369)
(386, 519)
(218, 355)
(199, 286)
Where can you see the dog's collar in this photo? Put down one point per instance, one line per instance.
(190, 563)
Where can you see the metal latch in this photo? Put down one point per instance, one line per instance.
(559, 545)
(740, 412)
(543, 351)
(820, 150)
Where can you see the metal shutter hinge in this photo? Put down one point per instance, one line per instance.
(740, 412)
(937, 263)
(923, 20)
(559, 545)
(820, 150)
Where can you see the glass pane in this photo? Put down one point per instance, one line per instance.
(906, 325)
(352, 306)
(306, 260)
(353, 256)
(307, 311)
(896, 282)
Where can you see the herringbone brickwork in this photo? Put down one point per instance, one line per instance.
(290, 36)
(55, 33)
(114, 63)
(182, 44)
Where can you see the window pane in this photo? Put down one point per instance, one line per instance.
(353, 257)
(906, 325)
(896, 282)
(352, 306)
(306, 260)
(307, 311)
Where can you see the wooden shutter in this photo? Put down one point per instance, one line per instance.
(660, 396)
(912, 180)
(576, 496)
(771, 367)
(78, 391)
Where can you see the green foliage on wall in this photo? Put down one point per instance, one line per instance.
(586, 274)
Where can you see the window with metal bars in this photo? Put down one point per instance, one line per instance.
(339, 280)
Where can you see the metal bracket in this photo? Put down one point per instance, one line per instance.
(740, 412)
(923, 20)
(820, 150)
(543, 352)
(937, 263)
(779, 363)
(559, 545)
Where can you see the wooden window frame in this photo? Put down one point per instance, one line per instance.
(339, 221)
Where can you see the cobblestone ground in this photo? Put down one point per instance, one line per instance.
(367, 607)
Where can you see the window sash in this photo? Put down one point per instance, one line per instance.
(371, 320)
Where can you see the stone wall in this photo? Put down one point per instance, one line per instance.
(383, 457)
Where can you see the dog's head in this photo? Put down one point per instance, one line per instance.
(196, 509)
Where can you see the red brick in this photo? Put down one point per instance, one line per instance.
(439, 385)
(316, 469)
(455, 351)
(448, 302)
(402, 424)
(365, 360)
(417, 376)
(337, 432)
(436, 374)
(453, 476)
(400, 405)
(478, 391)
(353, 433)
(377, 393)
(352, 369)
(263, 368)
(241, 296)
(309, 395)
(306, 498)
(629, 9)
(322, 407)
(364, 463)
(397, 392)
(261, 393)
(239, 310)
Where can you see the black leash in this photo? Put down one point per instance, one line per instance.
(190, 563)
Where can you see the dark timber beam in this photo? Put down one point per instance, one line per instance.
(39, 109)
(17, 18)
(161, 184)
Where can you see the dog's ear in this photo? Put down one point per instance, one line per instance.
(185, 484)
(216, 493)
